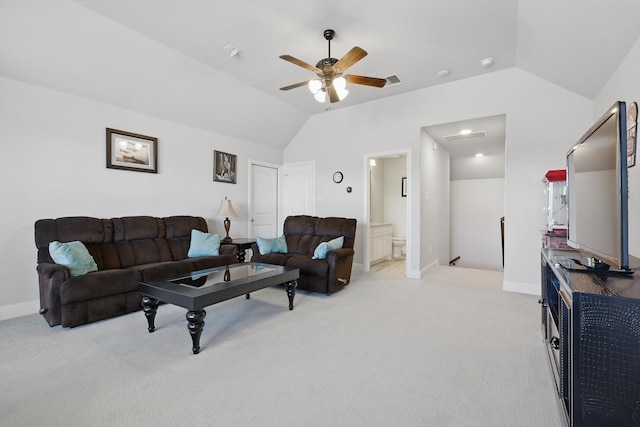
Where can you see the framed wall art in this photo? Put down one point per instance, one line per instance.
(131, 151)
(224, 167)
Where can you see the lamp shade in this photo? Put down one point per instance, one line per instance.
(314, 86)
(226, 210)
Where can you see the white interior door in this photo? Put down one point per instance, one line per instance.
(299, 189)
(263, 200)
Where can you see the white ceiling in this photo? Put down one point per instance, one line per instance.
(168, 58)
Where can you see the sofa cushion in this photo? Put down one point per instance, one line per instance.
(277, 259)
(300, 232)
(308, 266)
(137, 227)
(332, 227)
(164, 270)
(203, 244)
(324, 247)
(73, 255)
(98, 284)
(276, 245)
(205, 262)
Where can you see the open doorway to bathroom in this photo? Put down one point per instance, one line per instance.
(388, 206)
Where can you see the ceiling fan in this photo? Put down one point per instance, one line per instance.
(330, 73)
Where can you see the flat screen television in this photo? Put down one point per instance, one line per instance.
(597, 190)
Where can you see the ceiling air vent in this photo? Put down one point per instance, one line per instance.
(460, 137)
(393, 80)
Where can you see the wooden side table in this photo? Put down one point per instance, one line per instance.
(242, 244)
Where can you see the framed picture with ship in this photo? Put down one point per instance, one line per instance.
(131, 151)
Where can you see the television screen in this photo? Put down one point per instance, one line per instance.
(597, 190)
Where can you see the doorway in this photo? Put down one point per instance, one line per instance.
(386, 239)
(476, 150)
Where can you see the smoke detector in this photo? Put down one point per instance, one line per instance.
(486, 62)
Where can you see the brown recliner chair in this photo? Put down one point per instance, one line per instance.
(303, 234)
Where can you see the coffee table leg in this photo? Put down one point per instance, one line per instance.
(195, 326)
(291, 291)
(150, 308)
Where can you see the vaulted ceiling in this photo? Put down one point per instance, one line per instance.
(172, 59)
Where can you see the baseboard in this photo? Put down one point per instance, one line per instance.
(21, 309)
(415, 274)
(522, 288)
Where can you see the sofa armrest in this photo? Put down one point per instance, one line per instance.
(228, 249)
(341, 253)
(340, 264)
(50, 278)
(49, 270)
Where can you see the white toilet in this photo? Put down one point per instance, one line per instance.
(399, 247)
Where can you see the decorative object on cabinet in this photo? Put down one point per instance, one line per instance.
(555, 210)
(632, 133)
(131, 151)
(227, 211)
(337, 177)
(403, 188)
(224, 167)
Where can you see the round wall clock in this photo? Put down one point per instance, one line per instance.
(337, 177)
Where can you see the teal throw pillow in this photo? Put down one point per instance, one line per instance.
(326, 247)
(73, 255)
(203, 244)
(272, 246)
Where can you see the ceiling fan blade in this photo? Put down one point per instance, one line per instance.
(367, 81)
(300, 63)
(333, 95)
(293, 86)
(353, 56)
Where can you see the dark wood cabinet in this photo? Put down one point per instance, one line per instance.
(591, 329)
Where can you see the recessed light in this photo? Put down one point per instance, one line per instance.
(444, 73)
(465, 132)
(479, 154)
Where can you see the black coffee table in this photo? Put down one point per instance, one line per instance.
(207, 287)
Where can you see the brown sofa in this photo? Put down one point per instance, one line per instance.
(303, 234)
(126, 250)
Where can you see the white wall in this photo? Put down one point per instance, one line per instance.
(377, 193)
(52, 164)
(435, 202)
(542, 120)
(624, 85)
(395, 206)
(476, 208)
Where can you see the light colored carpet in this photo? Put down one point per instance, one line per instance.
(452, 349)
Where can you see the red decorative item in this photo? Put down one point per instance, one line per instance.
(556, 175)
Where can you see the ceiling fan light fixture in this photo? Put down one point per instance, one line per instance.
(320, 96)
(340, 85)
(329, 73)
(315, 86)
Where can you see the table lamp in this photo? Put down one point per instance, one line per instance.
(227, 211)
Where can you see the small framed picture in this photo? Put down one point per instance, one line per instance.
(131, 151)
(224, 167)
(404, 187)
